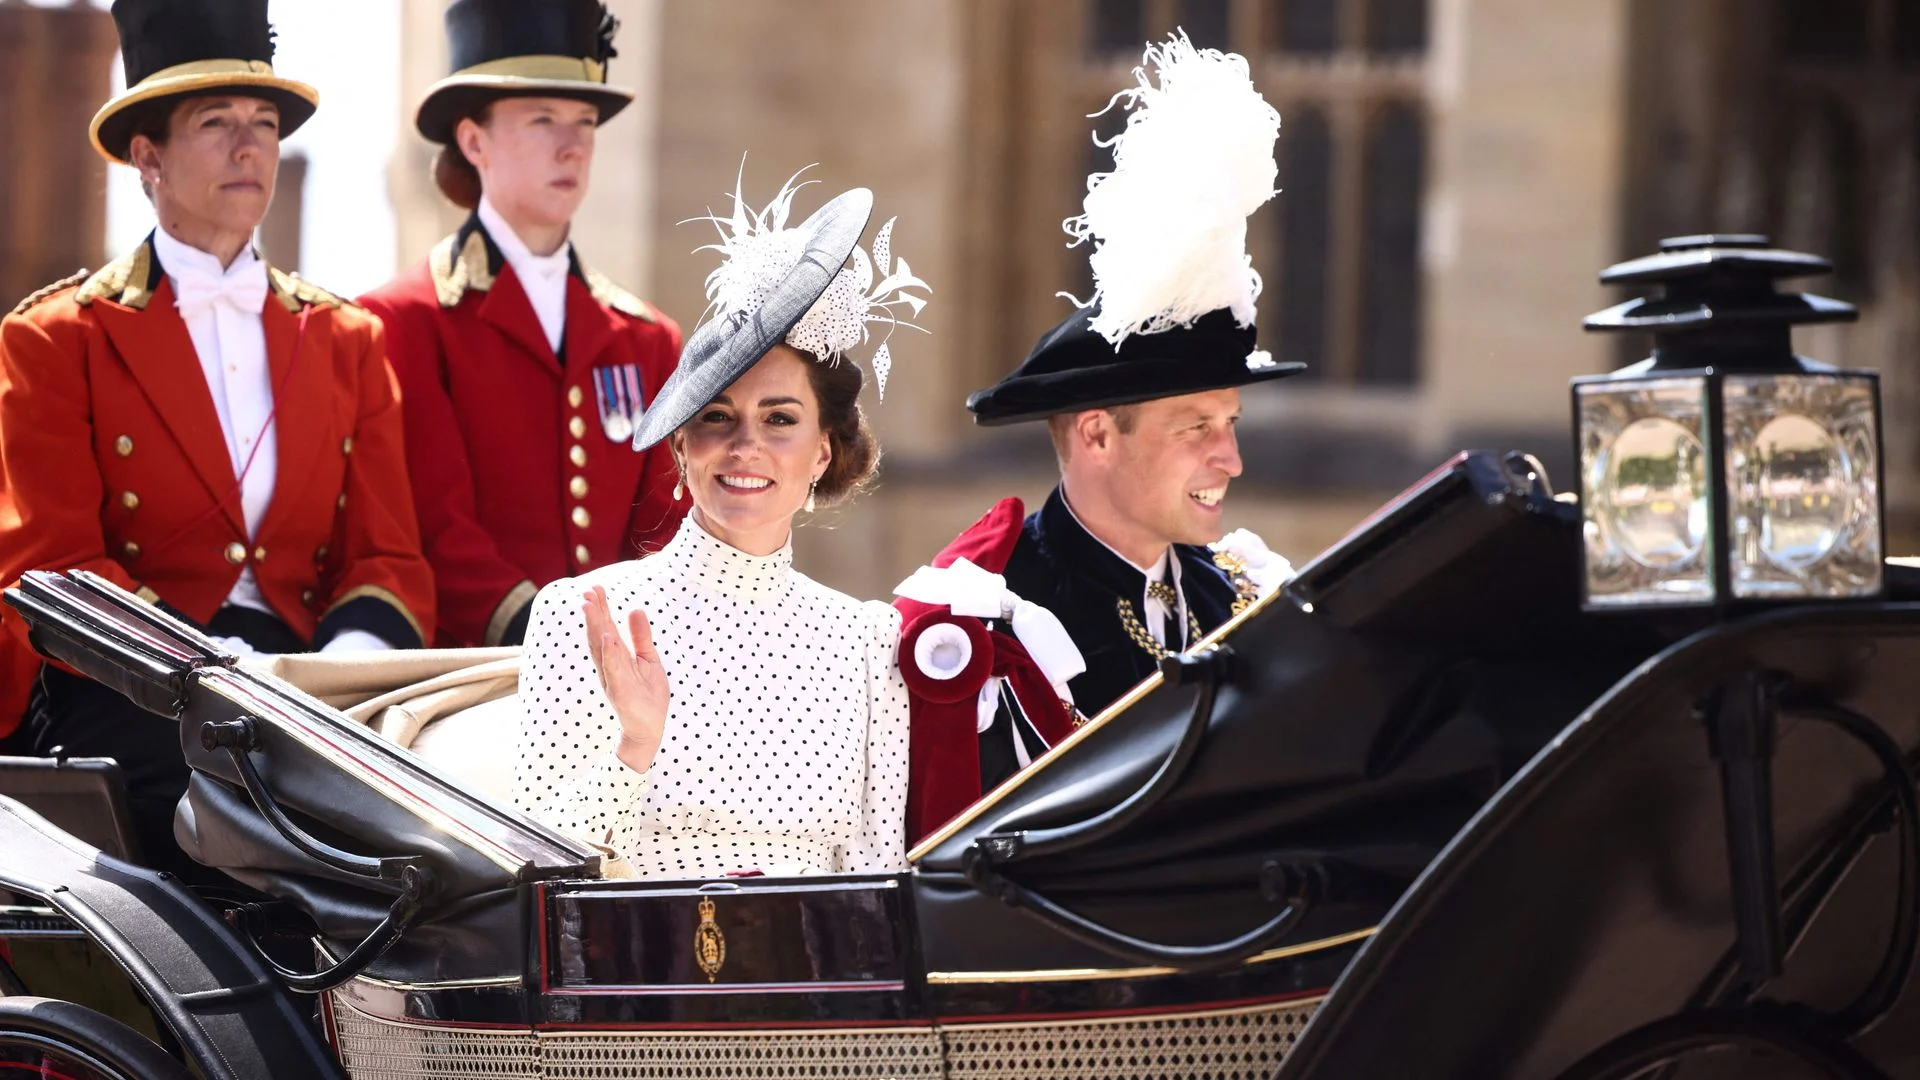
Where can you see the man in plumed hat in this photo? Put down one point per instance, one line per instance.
(524, 372)
(1140, 390)
(191, 423)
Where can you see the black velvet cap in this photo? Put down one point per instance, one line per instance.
(1072, 368)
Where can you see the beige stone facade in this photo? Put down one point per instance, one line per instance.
(1539, 159)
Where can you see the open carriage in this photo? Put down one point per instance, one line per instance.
(1420, 813)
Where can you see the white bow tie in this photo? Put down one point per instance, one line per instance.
(244, 291)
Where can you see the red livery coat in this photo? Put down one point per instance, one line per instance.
(112, 460)
(518, 482)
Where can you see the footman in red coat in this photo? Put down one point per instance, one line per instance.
(193, 424)
(524, 372)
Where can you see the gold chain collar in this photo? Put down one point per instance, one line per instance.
(1130, 621)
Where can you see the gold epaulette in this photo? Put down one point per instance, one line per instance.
(296, 292)
(608, 294)
(455, 273)
(124, 280)
(44, 292)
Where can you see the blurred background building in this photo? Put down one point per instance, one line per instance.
(1454, 173)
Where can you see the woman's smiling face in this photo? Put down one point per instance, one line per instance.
(752, 454)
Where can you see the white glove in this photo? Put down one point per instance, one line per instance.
(1267, 569)
(352, 641)
(236, 646)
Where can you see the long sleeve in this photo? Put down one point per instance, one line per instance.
(51, 488)
(384, 584)
(480, 590)
(566, 723)
(880, 846)
(601, 804)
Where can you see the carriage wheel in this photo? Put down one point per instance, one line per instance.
(1782, 1032)
(44, 1039)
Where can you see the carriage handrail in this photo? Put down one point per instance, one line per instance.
(1210, 667)
(416, 882)
(240, 738)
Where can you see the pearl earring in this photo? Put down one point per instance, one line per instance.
(680, 485)
(814, 483)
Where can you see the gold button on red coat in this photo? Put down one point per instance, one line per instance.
(320, 553)
(259, 554)
(346, 445)
(580, 554)
(578, 487)
(130, 501)
(341, 502)
(131, 549)
(306, 597)
(581, 519)
(577, 428)
(578, 455)
(236, 553)
(575, 396)
(123, 446)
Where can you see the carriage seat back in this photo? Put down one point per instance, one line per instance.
(86, 796)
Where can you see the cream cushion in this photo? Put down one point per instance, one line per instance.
(458, 709)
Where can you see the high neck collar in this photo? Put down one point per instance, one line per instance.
(714, 564)
(524, 262)
(1076, 546)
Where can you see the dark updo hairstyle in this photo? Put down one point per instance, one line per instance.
(453, 174)
(856, 454)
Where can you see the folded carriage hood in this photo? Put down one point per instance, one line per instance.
(1372, 706)
(334, 778)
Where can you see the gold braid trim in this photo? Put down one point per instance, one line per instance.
(385, 596)
(46, 291)
(509, 606)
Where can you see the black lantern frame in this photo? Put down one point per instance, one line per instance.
(1720, 322)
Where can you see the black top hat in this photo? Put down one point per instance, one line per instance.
(174, 49)
(724, 347)
(1072, 368)
(522, 48)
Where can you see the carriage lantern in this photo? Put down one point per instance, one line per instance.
(1725, 470)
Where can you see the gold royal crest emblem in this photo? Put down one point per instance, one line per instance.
(709, 944)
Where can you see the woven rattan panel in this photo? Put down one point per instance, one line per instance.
(1237, 1044)
(375, 1049)
(879, 1054)
(1232, 1044)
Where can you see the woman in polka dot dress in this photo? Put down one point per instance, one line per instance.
(710, 710)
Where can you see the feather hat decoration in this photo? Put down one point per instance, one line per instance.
(757, 252)
(1172, 311)
(1169, 223)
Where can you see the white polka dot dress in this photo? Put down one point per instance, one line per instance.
(785, 748)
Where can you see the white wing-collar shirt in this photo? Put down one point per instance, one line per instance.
(543, 277)
(222, 309)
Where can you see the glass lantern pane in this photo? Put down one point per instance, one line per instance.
(1645, 493)
(1803, 485)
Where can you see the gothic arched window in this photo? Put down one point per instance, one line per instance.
(1299, 291)
(1396, 154)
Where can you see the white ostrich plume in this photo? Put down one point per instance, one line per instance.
(1169, 223)
(757, 250)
